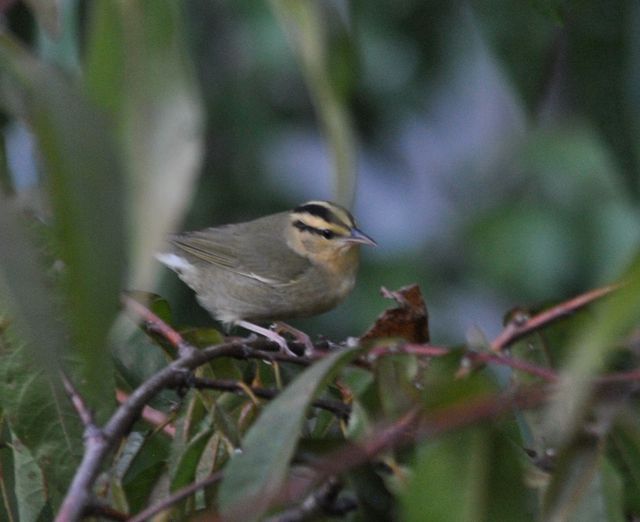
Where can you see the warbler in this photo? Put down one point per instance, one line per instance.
(291, 264)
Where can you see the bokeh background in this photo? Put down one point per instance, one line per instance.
(496, 143)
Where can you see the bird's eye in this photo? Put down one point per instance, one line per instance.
(328, 234)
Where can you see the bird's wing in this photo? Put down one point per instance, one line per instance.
(249, 249)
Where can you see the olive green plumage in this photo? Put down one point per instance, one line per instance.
(291, 264)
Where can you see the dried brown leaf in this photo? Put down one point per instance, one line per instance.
(409, 320)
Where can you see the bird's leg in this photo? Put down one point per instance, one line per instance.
(269, 334)
(299, 336)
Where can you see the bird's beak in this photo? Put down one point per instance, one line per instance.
(357, 236)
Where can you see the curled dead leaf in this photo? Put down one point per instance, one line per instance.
(409, 320)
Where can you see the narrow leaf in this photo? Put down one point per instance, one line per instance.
(185, 472)
(602, 500)
(254, 477)
(84, 178)
(29, 482)
(305, 27)
(572, 479)
(138, 69)
(625, 439)
(589, 349)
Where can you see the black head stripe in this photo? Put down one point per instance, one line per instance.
(317, 210)
(301, 226)
(325, 213)
(327, 234)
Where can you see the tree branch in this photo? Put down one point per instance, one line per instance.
(427, 350)
(515, 330)
(414, 425)
(79, 494)
(324, 500)
(338, 408)
(83, 411)
(153, 323)
(154, 417)
(101, 442)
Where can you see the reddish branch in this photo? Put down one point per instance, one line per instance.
(323, 501)
(153, 323)
(151, 415)
(413, 426)
(516, 330)
(83, 411)
(543, 372)
(79, 496)
(425, 350)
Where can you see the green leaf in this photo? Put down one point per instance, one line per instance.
(187, 466)
(394, 377)
(612, 492)
(589, 349)
(225, 425)
(126, 455)
(30, 491)
(41, 416)
(303, 22)
(8, 507)
(473, 475)
(572, 479)
(625, 440)
(138, 70)
(31, 395)
(253, 478)
(146, 472)
(375, 502)
(85, 182)
(602, 500)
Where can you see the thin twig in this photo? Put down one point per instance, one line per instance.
(628, 376)
(155, 324)
(352, 455)
(516, 330)
(176, 497)
(324, 500)
(338, 408)
(80, 492)
(543, 372)
(414, 425)
(260, 349)
(154, 417)
(83, 411)
(427, 350)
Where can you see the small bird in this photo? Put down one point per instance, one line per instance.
(292, 264)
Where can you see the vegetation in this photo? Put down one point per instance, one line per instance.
(497, 151)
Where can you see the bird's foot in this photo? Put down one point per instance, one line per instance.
(299, 336)
(269, 334)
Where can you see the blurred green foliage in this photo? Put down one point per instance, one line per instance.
(492, 150)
